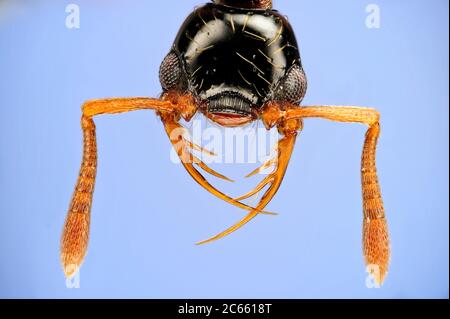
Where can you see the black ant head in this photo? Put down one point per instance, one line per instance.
(234, 60)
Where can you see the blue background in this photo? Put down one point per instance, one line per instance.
(147, 211)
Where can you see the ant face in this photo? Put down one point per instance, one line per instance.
(234, 61)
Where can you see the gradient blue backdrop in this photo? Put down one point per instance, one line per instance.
(148, 212)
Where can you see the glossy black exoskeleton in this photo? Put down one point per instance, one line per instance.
(233, 60)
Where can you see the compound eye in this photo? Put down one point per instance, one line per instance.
(292, 87)
(171, 73)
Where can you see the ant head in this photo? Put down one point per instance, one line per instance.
(234, 61)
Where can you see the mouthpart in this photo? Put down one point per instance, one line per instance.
(229, 109)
